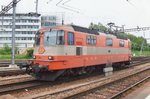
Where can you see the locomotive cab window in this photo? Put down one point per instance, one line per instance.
(109, 42)
(121, 43)
(70, 38)
(54, 37)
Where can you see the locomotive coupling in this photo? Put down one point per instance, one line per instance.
(36, 68)
(25, 66)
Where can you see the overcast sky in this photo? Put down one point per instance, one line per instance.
(131, 14)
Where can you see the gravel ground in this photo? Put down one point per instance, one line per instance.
(52, 88)
(15, 79)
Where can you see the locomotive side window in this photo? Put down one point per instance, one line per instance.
(88, 39)
(70, 38)
(94, 40)
(91, 40)
(109, 41)
(121, 43)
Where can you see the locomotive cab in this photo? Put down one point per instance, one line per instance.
(47, 39)
(48, 45)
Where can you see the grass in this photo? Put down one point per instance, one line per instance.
(16, 57)
(138, 53)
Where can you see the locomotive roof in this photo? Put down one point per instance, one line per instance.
(83, 29)
(79, 29)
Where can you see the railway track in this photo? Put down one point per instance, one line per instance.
(11, 72)
(72, 91)
(6, 63)
(114, 89)
(6, 88)
(15, 79)
(140, 58)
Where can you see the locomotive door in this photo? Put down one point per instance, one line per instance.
(109, 44)
(79, 50)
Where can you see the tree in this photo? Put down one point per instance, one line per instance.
(100, 27)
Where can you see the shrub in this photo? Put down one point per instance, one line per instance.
(6, 50)
(29, 53)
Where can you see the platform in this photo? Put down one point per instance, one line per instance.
(9, 68)
(142, 92)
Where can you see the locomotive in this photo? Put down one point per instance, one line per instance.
(70, 49)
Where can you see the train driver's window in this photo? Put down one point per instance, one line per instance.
(70, 38)
(109, 42)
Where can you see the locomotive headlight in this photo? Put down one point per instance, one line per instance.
(50, 57)
(34, 57)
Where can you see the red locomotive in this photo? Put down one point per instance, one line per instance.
(73, 49)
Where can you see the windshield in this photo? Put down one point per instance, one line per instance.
(54, 37)
(37, 39)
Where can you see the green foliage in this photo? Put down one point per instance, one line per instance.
(121, 35)
(137, 43)
(101, 28)
(6, 50)
(5, 53)
(98, 27)
(19, 56)
(136, 53)
(29, 53)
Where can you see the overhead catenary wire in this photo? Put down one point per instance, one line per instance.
(62, 5)
(68, 5)
(131, 3)
(49, 1)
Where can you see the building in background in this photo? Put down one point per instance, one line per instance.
(51, 20)
(47, 21)
(26, 27)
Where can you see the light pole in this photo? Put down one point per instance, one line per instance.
(13, 32)
(36, 6)
(4, 10)
(142, 44)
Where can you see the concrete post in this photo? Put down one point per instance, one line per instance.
(108, 70)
